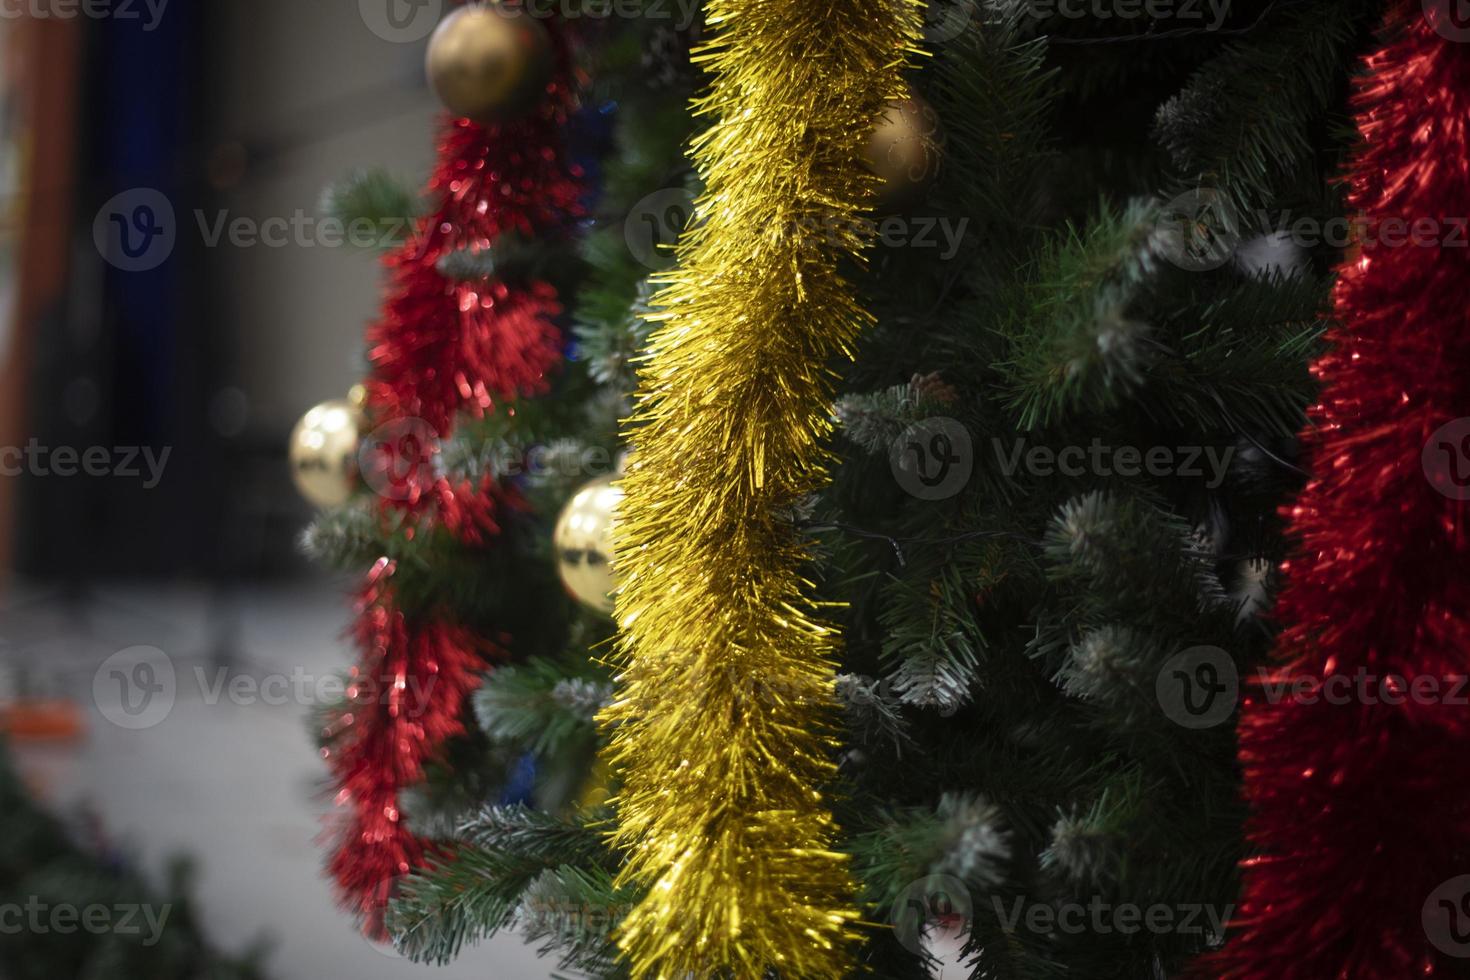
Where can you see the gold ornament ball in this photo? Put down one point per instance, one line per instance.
(488, 63)
(323, 454)
(905, 150)
(584, 543)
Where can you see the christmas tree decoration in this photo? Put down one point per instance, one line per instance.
(1358, 824)
(404, 699)
(324, 452)
(905, 150)
(489, 62)
(583, 539)
(446, 345)
(444, 348)
(721, 730)
(1041, 614)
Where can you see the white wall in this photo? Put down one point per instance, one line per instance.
(314, 76)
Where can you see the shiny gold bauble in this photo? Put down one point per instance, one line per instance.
(323, 454)
(905, 150)
(488, 63)
(584, 543)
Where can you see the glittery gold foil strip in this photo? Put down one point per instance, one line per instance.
(723, 727)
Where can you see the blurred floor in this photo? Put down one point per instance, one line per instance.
(234, 785)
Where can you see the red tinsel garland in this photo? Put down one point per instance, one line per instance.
(404, 699)
(1360, 802)
(446, 346)
(442, 347)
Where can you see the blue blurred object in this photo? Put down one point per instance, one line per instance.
(520, 786)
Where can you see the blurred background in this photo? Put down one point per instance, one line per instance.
(168, 309)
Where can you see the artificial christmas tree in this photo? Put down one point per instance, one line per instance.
(986, 673)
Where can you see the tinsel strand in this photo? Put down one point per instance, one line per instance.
(1359, 801)
(723, 726)
(443, 347)
(405, 697)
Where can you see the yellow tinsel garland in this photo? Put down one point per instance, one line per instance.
(723, 726)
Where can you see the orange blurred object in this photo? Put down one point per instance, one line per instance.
(42, 720)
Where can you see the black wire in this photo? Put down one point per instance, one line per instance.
(897, 543)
